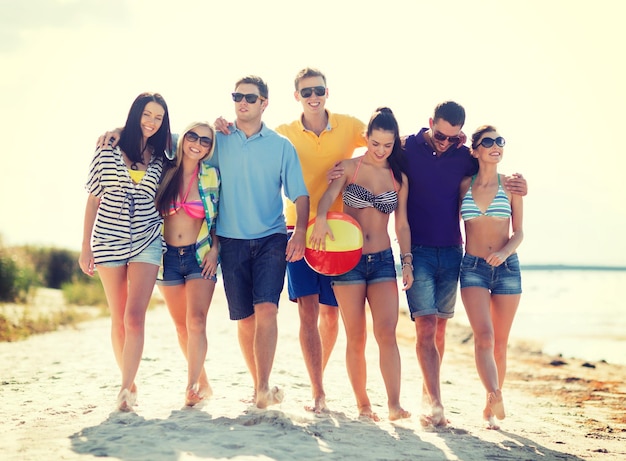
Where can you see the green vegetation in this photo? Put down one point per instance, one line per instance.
(16, 328)
(16, 280)
(83, 292)
(26, 269)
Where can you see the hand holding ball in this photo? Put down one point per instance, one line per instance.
(342, 253)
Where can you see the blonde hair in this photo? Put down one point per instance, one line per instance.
(172, 178)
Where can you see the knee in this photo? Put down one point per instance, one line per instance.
(118, 329)
(484, 340)
(385, 335)
(356, 342)
(196, 323)
(181, 330)
(426, 330)
(500, 350)
(329, 316)
(308, 314)
(134, 322)
(265, 312)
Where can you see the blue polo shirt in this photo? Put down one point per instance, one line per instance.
(433, 203)
(255, 172)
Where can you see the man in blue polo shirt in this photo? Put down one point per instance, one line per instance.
(437, 161)
(256, 165)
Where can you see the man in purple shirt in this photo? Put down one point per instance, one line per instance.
(437, 161)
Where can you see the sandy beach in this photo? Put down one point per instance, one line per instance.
(57, 402)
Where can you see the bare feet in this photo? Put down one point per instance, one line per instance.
(426, 403)
(366, 412)
(319, 406)
(398, 413)
(133, 395)
(436, 418)
(491, 421)
(205, 391)
(192, 397)
(496, 404)
(124, 401)
(271, 397)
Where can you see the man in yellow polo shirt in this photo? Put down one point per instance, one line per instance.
(321, 139)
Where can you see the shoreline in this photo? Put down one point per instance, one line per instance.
(596, 388)
(58, 395)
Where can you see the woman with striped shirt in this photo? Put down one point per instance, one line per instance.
(122, 229)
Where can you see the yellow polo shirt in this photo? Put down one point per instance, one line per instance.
(318, 154)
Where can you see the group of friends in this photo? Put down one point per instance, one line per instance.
(170, 213)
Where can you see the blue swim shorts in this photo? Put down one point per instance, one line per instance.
(304, 281)
(253, 272)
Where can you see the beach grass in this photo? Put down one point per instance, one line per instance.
(50, 309)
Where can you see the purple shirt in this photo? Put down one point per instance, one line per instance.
(433, 205)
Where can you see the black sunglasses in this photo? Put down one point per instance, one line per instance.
(442, 137)
(192, 136)
(488, 142)
(250, 97)
(308, 91)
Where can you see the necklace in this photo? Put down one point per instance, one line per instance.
(133, 166)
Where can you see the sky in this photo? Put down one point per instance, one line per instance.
(548, 74)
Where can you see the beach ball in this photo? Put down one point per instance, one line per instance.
(341, 254)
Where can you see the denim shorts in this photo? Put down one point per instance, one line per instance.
(151, 255)
(304, 281)
(253, 272)
(371, 268)
(505, 279)
(436, 277)
(179, 265)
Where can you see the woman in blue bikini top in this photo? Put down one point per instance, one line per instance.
(490, 274)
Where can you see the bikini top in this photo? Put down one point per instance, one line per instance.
(357, 196)
(193, 208)
(136, 175)
(500, 206)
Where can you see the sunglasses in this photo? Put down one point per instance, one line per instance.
(308, 92)
(250, 97)
(442, 137)
(192, 136)
(488, 142)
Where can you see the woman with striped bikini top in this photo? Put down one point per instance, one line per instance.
(357, 196)
(374, 279)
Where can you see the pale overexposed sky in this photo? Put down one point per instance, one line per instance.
(547, 73)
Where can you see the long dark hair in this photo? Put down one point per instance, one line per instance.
(131, 138)
(383, 119)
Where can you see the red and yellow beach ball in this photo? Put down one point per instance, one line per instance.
(341, 254)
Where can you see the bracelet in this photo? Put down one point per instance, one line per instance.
(407, 265)
(402, 256)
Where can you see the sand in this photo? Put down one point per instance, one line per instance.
(57, 402)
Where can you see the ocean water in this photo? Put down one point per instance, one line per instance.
(574, 313)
